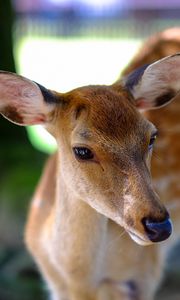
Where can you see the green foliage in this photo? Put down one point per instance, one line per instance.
(19, 279)
(6, 26)
(20, 170)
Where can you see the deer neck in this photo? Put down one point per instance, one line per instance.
(78, 231)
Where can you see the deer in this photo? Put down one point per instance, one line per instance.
(97, 188)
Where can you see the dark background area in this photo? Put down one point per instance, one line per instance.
(20, 163)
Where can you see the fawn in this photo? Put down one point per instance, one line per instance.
(98, 184)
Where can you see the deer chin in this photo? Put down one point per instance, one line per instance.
(139, 239)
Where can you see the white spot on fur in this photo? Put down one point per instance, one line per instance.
(128, 199)
(37, 202)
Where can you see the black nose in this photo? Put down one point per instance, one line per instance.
(157, 231)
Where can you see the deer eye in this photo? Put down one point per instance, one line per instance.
(83, 153)
(152, 140)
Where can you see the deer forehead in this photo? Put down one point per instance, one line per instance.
(101, 114)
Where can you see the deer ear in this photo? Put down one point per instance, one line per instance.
(155, 85)
(23, 101)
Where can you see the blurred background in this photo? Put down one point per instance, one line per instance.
(62, 44)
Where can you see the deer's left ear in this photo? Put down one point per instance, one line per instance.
(25, 102)
(155, 85)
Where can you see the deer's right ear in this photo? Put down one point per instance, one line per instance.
(25, 102)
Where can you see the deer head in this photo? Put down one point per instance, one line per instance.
(104, 142)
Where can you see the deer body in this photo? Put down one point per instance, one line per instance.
(97, 185)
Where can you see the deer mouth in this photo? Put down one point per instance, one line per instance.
(139, 239)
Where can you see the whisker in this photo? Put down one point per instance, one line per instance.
(115, 240)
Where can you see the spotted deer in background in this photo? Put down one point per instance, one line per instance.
(98, 185)
(165, 166)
